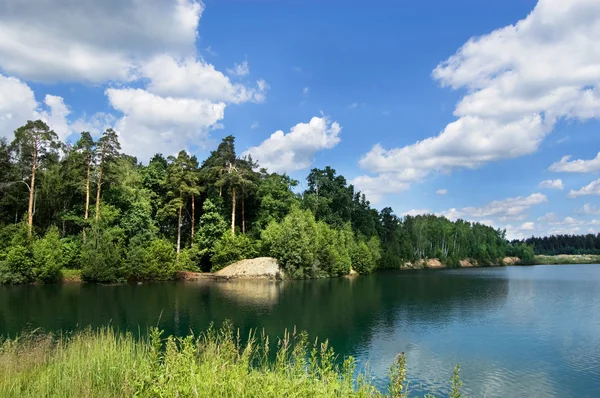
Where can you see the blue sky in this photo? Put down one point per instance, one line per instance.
(461, 108)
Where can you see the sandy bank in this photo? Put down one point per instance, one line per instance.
(255, 268)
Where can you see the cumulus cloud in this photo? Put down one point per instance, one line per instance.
(416, 212)
(18, 104)
(295, 150)
(577, 166)
(507, 208)
(593, 188)
(150, 119)
(92, 40)
(589, 208)
(239, 69)
(194, 78)
(548, 217)
(167, 94)
(441, 192)
(520, 80)
(552, 184)
(305, 90)
(528, 226)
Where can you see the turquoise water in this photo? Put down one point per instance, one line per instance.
(517, 331)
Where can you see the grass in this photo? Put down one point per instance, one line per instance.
(71, 275)
(103, 363)
(568, 259)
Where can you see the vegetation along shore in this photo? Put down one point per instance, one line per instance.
(90, 210)
(218, 363)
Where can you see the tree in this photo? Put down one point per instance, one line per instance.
(85, 148)
(181, 177)
(107, 150)
(212, 226)
(34, 144)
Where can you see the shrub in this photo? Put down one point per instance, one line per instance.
(153, 259)
(17, 266)
(293, 242)
(231, 248)
(362, 259)
(210, 230)
(101, 256)
(48, 259)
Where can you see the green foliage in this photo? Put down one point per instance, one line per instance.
(397, 386)
(362, 259)
(523, 251)
(231, 248)
(48, 257)
(17, 266)
(210, 230)
(71, 249)
(456, 383)
(293, 242)
(102, 254)
(104, 363)
(153, 259)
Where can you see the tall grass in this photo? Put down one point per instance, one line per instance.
(103, 363)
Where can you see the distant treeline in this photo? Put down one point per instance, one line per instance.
(89, 206)
(564, 244)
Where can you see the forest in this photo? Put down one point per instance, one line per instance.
(563, 244)
(90, 207)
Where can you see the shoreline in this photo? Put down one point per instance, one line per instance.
(267, 269)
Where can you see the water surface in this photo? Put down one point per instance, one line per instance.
(517, 331)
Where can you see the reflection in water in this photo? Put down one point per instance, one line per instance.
(516, 331)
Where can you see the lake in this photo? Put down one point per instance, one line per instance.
(516, 331)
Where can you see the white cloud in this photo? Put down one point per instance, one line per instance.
(416, 212)
(508, 208)
(194, 78)
(552, 184)
(577, 166)
(593, 188)
(169, 122)
(520, 80)
(305, 90)
(18, 104)
(239, 69)
(549, 217)
(254, 126)
(589, 208)
(92, 40)
(528, 226)
(441, 191)
(452, 214)
(295, 150)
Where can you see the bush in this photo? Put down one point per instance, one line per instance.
(160, 260)
(17, 266)
(333, 257)
(210, 230)
(71, 248)
(231, 248)
(362, 259)
(48, 259)
(153, 259)
(293, 242)
(101, 256)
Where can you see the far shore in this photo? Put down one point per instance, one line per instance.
(265, 268)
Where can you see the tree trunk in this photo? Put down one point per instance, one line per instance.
(179, 225)
(243, 214)
(193, 217)
(220, 191)
(31, 192)
(233, 211)
(87, 195)
(99, 186)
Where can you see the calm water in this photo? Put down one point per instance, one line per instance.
(517, 331)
